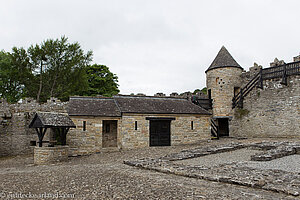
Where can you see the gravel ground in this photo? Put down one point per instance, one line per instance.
(287, 163)
(220, 158)
(104, 176)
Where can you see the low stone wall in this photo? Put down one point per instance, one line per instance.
(48, 155)
(238, 173)
(273, 111)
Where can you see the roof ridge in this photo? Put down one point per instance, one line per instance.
(149, 97)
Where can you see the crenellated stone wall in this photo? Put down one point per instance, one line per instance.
(16, 137)
(273, 111)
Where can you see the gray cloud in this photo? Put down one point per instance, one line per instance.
(159, 45)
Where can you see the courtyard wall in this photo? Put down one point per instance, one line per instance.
(16, 137)
(273, 111)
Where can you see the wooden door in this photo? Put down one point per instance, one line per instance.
(160, 134)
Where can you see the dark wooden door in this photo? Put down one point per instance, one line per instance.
(160, 134)
(223, 127)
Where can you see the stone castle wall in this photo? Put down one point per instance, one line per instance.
(273, 111)
(16, 136)
(221, 82)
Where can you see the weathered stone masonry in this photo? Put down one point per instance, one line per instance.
(273, 111)
(181, 132)
(16, 136)
(129, 119)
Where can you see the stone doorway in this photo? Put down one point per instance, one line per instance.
(160, 134)
(223, 127)
(109, 133)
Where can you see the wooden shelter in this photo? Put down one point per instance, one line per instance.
(60, 123)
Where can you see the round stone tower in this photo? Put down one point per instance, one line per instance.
(223, 81)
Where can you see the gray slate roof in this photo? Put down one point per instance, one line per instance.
(47, 120)
(223, 59)
(93, 106)
(132, 104)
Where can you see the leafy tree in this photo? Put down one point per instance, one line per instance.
(101, 81)
(204, 90)
(10, 87)
(195, 91)
(57, 69)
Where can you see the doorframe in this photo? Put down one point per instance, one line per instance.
(169, 119)
(229, 118)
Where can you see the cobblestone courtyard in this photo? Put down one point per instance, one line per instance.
(105, 176)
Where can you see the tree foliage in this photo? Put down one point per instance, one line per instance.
(101, 81)
(10, 84)
(54, 68)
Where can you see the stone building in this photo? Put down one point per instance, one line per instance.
(223, 81)
(262, 102)
(125, 122)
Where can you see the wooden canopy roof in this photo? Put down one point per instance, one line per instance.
(51, 120)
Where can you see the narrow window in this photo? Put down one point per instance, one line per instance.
(84, 125)
(236, 90)
(135, 125)
(192, 125)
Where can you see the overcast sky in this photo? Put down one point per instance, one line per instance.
(159, 45)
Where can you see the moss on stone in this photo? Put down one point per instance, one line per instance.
(240, 113)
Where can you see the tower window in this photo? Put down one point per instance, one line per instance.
(192, 125)
(236, 90)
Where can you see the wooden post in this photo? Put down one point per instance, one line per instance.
(240, 103)
(284, 78)
(260, 80)
(41, 133)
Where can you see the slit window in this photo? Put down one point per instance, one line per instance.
(84, 125)
(236, 90)
(192, 125)
(135, 125)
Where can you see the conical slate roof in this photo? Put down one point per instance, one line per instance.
(223, 59)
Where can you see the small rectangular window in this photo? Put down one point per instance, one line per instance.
(84, 125)
(236, 90)
(135, 125)
(192, 125)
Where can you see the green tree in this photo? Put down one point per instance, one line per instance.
(10, 88)
(57, 69)
(204, 90)
(12, 77)
(101, 81)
